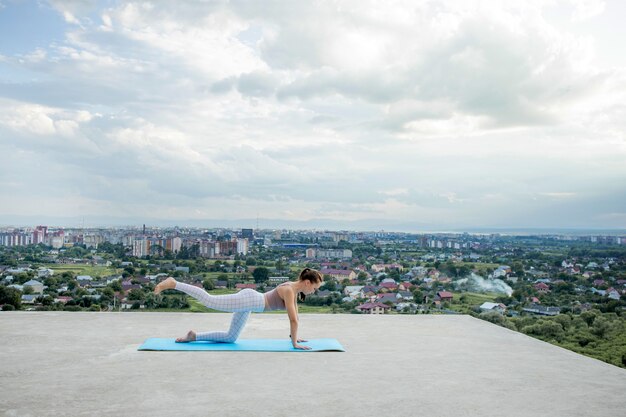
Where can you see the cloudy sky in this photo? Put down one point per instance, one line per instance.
(416, 115)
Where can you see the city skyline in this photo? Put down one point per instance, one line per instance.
(404, 116)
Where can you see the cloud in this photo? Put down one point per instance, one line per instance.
(467, 113)
(586, 9)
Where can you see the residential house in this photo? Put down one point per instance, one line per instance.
(18, 270)
(142, 280)
(412, 307)
(419, 271)
(44, 272)
(542, 310)
(370, 289)
(113, 278)
(382, 267)
(277, 280)
(388, 286)
(406, 295)
(443, 296)
(542, 287)
(387, 297)
(433, 274)
(502, 271)
(35, 285)
(353, 291)
(128, 304)
(128, 285)
(444, 280)
(497, 307)
(613, 294)
(240, 287)
(373, 308)
(29, 298)
(339, 274)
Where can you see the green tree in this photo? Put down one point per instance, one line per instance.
(208, 284)
(279, 265)
(50, 282)
(261, 274)
(11, 296)
(329, 284)
(116, 285)
(136, 294)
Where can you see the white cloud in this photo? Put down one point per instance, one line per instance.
(41, 120)
(586, 9)
(448, 113)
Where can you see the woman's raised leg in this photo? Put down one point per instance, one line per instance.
(245, 300)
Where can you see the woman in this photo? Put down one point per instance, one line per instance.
(283, 297)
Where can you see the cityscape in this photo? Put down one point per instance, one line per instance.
(569, 290)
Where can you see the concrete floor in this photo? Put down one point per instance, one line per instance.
(86, 364)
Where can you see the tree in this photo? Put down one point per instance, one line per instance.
(136, 294)
(11, 296)
(329, 284)
(261, 274)
(279, 265)
(50, 282)
(208, 284)
(518, 268)
(116, 285)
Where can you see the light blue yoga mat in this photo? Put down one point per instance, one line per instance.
(250, 345)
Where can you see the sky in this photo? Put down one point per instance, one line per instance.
(358, 115)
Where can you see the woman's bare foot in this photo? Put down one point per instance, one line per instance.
(191, 337)
(167, 284)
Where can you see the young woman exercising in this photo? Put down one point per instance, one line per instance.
(283, 297)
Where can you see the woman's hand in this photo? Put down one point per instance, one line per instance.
(302, 340)
(297, 346)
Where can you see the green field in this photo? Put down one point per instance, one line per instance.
(94, 271)
(480, 266)
(471, 300)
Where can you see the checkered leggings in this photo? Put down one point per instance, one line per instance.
(241, 304)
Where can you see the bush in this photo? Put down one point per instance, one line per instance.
(545, 328)
(497, 318)
(8, 307)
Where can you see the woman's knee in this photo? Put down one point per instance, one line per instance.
(231, 338)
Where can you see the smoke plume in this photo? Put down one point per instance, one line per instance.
(477, 283)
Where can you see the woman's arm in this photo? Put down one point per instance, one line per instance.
(290, 303)
(295, 301)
